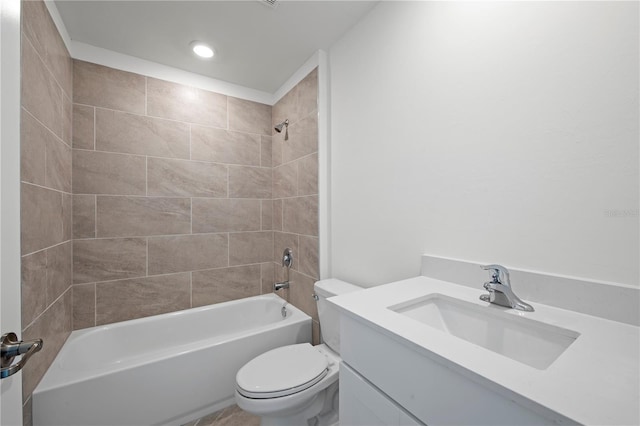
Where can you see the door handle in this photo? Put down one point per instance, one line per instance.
(11, 347)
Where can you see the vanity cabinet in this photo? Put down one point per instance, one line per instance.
(362, 404)
(385, 381)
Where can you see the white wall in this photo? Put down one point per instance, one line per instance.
(493, 132)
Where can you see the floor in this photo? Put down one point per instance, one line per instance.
(230, 416)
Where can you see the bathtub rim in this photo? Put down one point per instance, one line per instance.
(56, 376)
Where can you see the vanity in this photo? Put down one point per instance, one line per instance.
(428, 351)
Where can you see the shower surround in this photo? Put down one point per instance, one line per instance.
(142, 196)
(173, 195)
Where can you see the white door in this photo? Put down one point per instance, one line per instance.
(11, 387)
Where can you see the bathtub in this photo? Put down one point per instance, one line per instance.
(163, 370)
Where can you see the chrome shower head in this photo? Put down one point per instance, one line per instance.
(285, 125)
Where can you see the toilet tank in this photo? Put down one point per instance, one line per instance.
(329, 316)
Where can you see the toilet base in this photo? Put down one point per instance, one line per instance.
(321, 411)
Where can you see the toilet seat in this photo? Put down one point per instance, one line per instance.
(282, 371)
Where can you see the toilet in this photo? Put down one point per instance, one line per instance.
(297, 385)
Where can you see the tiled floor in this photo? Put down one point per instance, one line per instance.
(230, 416)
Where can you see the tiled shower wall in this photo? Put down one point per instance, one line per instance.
(176, 194)
(45, 191)
(295, 192)
(172, 196)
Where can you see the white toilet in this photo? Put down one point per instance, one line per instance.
(297, 385)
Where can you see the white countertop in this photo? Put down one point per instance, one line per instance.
(596, 381)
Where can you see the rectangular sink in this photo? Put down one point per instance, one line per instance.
(522, 339)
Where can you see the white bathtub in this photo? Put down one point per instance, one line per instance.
(163, 370)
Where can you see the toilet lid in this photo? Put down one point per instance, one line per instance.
(282, 371)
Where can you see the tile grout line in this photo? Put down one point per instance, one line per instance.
(169, 158)
(146, 95)
(173, 120)
(95, 216)
(95, 120)
(49, 306)
(95, 304)
(59, 139)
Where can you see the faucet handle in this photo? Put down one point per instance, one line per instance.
(499, 274)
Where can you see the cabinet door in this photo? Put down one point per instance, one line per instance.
(361, 404)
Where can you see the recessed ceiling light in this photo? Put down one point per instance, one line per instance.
(202, 50)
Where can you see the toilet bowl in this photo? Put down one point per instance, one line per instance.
(290, 385)
(297, 385)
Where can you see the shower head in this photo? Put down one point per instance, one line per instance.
(285, 125)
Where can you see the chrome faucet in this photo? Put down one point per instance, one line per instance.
(287, 260)
(500, 292)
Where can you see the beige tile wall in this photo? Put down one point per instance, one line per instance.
(295, 192)
(172, 196)
(46, 157)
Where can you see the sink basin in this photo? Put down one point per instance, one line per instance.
(522, 339)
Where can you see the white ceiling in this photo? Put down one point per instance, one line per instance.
(257, 46)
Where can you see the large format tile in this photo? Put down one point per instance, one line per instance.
(300, 215)
(249, 116)
(27, 412)
(142, 216)
(308, 256)
(67, 120)
(308, 175)
(67, 216)
(183, 103)
(281, 241)
(59, 270)
(141, 297)
(42, 213)
(267, 215)
(225, 215)
(277, 215)
(307, 95)
(83, 127)
(106, 87)
(266, 151)
(250, 247)
(303, 139)
(53, 327)
(299, 102)
(43, 34)
(108, 259)
(286, 108)
(34, 286)
(58, 165)
(300, 291)
(249, 182)
(84, 306)
(267, 277)
(277, 140)
(41, 95)
(84, 216)
(106, 173)
(221, 285)
(187, 253)
(34, 138)
(285, 180)
(137, 134)
(221, 146)
(186, 178)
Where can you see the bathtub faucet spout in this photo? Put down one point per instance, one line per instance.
(278, 286)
